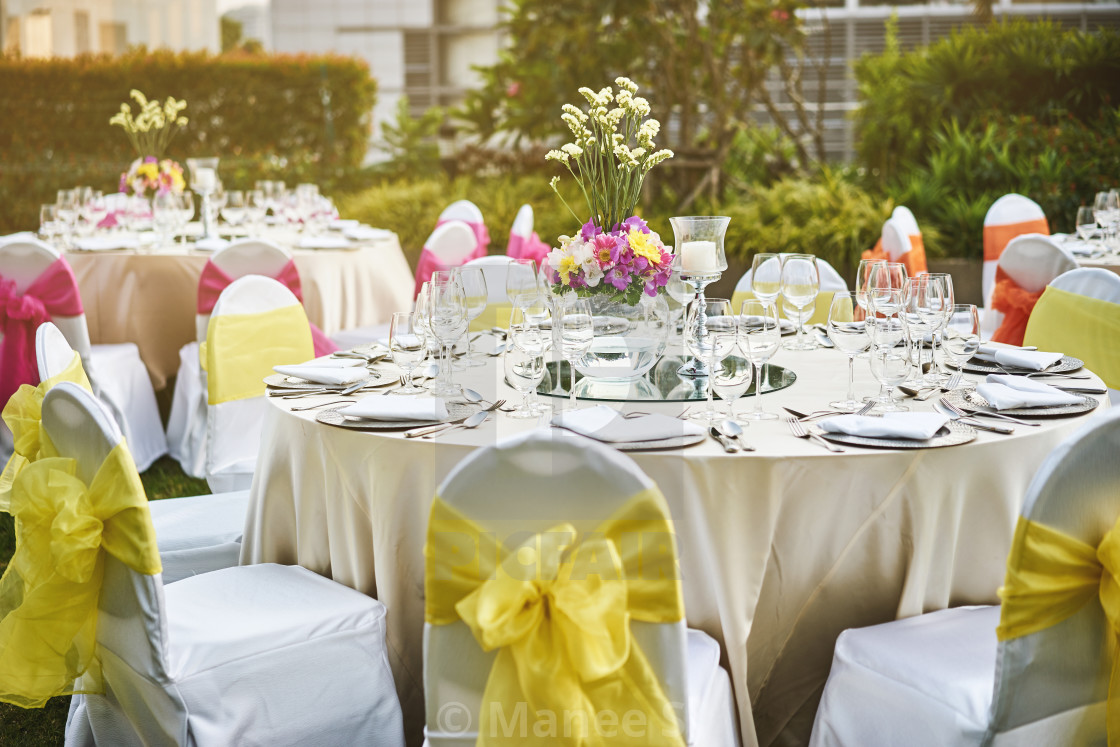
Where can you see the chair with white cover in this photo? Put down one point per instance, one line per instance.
(1024, 269)
(524, 514)
(524, 243)
(256, 324)
(1010, 216)
(263, 654)
(196, 534)
(901, 241)
(33, 273)
(1079, 315)
(1032, 671)
(186, 425)
(451, 244)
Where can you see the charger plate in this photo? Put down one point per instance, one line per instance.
(971, 401)
(1065, 365)
(280, 381)
(951, 434)
(332, 416)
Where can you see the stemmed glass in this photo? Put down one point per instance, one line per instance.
(863, 281)
(408, 347)
(165, 216)
(94, 209)
(1106, 208)
(521, 282)
(256, 205)
(1086, 223)
(680, 291)
(800, 284)
(67, 201)
(186, 212)
(916, 315)
(474, 287)
(759, 338)
(890, 364)
(577, 332)
(939, 307)
(722, 328)
(766, 277)
(732, 378)
(524, 369)
(962, 335)
(527, 331)
(447, 316)
(50, 227)
(848, 332)
(234, 211)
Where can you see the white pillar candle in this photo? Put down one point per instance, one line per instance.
(204, 180)
(699, 257)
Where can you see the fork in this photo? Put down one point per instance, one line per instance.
(982, 413)
(953, 382)
(428, 429)
(797, 428)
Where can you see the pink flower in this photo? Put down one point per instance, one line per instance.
(513, 89)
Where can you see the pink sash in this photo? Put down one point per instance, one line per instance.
(54, 293)
(480, 233)
(214, 280)
(527, 248)
(429, 263)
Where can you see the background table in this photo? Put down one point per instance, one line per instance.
(151, 298)
(1108, 262)
(780, 550)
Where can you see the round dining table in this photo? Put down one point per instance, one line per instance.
(149, 297)
(781, 548)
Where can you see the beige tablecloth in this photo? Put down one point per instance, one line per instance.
(781, 549)
(1110, 262)
(151, 298)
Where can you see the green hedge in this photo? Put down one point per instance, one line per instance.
(296, 118)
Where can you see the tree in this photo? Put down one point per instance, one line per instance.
(231, 34)
(411, 141)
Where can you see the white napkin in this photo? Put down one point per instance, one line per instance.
(1032, 360)
(750, 321)
(323, 373)
(1080, 248)
(603, 423)
(915, 425)
(20, 236)
(1009, 392)
(212, 244)
(329, 361)
(323, 242)
(365, 233)
(105, 243)
(397, 407)
(343, 223)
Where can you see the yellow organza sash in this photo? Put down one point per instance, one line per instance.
(1050, 576)
(820, 311)
(558, 608)
(1086, 327)
(241, 349)
(49, 592)
(24, 416)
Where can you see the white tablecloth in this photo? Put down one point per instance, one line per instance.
(781, 549)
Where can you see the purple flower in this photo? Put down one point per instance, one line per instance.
(618, 276)
(589, 229)
(150, 159)
(633, 223)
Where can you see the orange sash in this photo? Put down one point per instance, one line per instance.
(1016, 305)
(915, 259)
(997, 237)
(877, 253)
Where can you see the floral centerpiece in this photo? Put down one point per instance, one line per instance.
(615, 251)
(150, 132)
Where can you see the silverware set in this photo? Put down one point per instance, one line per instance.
(797, 428)
(472, 421)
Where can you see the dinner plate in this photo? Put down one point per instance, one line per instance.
(332, 416)
(1065, 365)
(951, 434)
(280, 381)
(676, 442)
(971, 401)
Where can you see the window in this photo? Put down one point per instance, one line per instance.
(81, 32)
(40, 34)
(114, 37)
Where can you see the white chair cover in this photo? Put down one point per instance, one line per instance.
(1032, 260)
(831, 281)
(263, 654)
(115, 371)
(494, 268)
(1009, 210)
(929, 680)
(463, 210)
(906, 221)
(1090, 281)
(452, 242)
(186, 426)
(895, 238)
(523, 223)
(540, 478)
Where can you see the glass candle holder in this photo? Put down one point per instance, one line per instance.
(699, 244)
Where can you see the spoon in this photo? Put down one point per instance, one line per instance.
(728, 444)
(474, 397)
(733, 430)
(472, 422)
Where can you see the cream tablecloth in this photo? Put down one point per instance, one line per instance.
(1109, 262)
(781, 549)
(150, 298)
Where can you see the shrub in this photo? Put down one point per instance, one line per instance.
(298, 118)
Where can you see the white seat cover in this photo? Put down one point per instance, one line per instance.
(463, 210)
(452, 242)
(831, 281)
(523, 223)
(1007, 210)
(494, 268)
(895, 238)
(906, 221)
(1033, 260)
(1093, 282)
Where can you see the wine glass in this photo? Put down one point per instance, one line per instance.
(50, 227)
(884, 278)
(447, 317)
(916, 316)
(186, 212)
(1106, 207)
(863, 280)
(94, 209)
(759, 338)
(165, 216)
(527, 330)
(848, 332)
(473, 281)
(577, 331)
(234, 211)
(1086, 223)
(890, 366)
(680, 291)
(256, 206)
(800, 283)
(731, 379)
(962, 335)
(766, 277)
(884, 325)
(67, 202)
(408, 348)
(521, 281)
(524, 371)
(939, 306)
(722, 328)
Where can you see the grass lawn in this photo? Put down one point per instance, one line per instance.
(45, 726)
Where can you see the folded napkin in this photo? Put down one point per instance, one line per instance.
(330, 361)
(211, 244)
(1009, 392)
(397, 407)
(1080, 248)
(106, 243)
(323, 373)
(603, 423)
(20, 236)
(323, 242)
(915, 425)
(750, 321)
(365, 233)
(343, 223)
(1032, 360)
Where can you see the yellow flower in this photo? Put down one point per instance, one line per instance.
(642, 245)
(148, 171)
(568, 265)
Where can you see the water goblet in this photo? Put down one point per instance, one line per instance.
(890, 366)
(408, 348)
(759, 338)
(235, 209)
(473, 281)
(886, 277)
(962, 335)
(165, 216)
(731, 378)
(1086, 223)
(577, 331)
(256, 206)
(524, 371)
(939, 307)
(915, 314)
(522, 282)
(50, 226)
(530, 327)
(186, 212)
(848, 332)
(766, 277)
(800, 284)
(67, 202)
(722, 327)
(680, 292)
(447, 318)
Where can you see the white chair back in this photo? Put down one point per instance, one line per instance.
(452, 243)
(831, 281)
(1033, 260)
(1065, 666)
(494, 268)
(906, 221)
(52, 353)
(523, 223)
(1008, 210)
(241, 258)
(1093, 282)
(463, 210)
(539, 478)
(895, 238)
